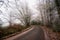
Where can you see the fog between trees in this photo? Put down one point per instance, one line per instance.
(26, 11)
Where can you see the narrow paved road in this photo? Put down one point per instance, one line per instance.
(36, 34)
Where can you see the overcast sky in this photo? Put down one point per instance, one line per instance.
(5, 10)
(9, 7)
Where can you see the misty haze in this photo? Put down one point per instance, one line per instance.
(29, 20)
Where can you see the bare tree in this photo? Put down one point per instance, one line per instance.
(24, 13)
(57, 2)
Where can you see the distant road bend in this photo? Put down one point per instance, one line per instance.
(36, 33)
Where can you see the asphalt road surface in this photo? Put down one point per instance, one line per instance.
(36, 34)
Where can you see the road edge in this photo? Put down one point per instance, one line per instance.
(17, 33)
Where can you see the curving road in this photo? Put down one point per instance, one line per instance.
(36, 34)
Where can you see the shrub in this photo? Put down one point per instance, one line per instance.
(35, 23)
(10, 30)
(57, 26)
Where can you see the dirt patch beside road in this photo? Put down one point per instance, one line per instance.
(52, 35)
